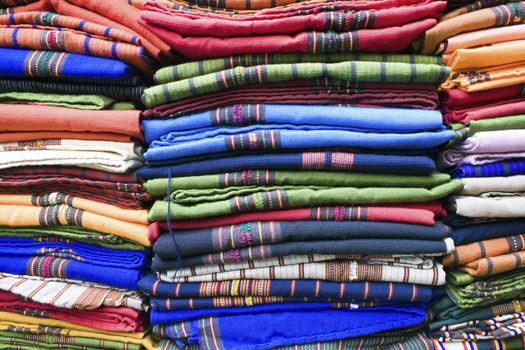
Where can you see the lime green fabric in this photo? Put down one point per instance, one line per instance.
(94, 102)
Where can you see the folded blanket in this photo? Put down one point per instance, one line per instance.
(194, 69)
(253, 234)
(488, 230)
(316, 160)
(458, 99)
(61, 66)
(474, 186)
(281, 199)
(498, 16)
(58, 209)
(73, 35)
(224, 330)
(405, 261)
(501, 168)
(117, 92)
(235, 181)
(70, 250)
(115, 319)
(497, 54)
(489, 111)
(86, 102)
(419, 213)
(387, 120)
(110, 156)
(70, 294)
(21, 119)
(487, 78)
(45, 326)
(485, 147)
(362, 71)
(70, 233)
(313, 92)
(337, 247)
(491, 206)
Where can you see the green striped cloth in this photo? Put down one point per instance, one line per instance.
(298, 198)
(352, 71)
(196, 68)
(158, 187)
(493, 124)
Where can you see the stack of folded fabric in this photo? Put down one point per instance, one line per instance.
(280, 212)
(483, 43)
(73, 228)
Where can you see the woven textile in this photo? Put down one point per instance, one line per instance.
(487, 79)
(49, 31)
(280, 199)
(59, 209)
(61, 66)
(315, 160)
(308, 92)
(501, 168)
(224, 238)
(116, 319)
(89, 102)
(69, 294)
(489, 112)
(489, 230)
(473, 186)
(362, 71)
(497, 206)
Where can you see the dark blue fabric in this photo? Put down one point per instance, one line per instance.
(392, 120)
(74, 67)
(502, 168)
(367, 163)
(290, 140)
(475, 233)
(91, 254)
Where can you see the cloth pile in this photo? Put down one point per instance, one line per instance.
(294, 190)
(483, 43)
(73, 224)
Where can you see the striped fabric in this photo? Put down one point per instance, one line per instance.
(338, 271)
(384, 72)
(69, 294)
(502, 168)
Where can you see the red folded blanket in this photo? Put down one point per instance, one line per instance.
(113, 319)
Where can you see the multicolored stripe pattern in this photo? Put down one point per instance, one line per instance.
(270, 200)
(245, 235)
(259, 140)
(47, 266)
(239, 114)
(247, 178)
(328, 160)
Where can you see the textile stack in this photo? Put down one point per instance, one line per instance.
(297, 200)
(73, 228)
(483, 42)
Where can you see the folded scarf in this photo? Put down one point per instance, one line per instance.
(70, 294)
(247, 178)
(85, 102)
(111, 156)
(388, 120)
(340, 17)
(481, 37)
(448, 313)
(489, 230)
(497, 54)
(409, 262)
(495, 265)
(337, 247)
(115, 319)
(492, 111)
(21, 119)
(70, 250)
(362, 71)
(474, 186)
(117, 92)
(484, 147)
(194, 69)
(491, 290)
(253, 234)
(328, 160)
(501, 168)
(73, 35)
(58, 209)
(277, 139)
(70, 233)
(280, 199)
(223, 331)
(160, 21)
(61, 66)
(491, 206)
(46, 326)
(487, 78)
(422, 214)
(499, 16)
(316, 92)
(386, 342)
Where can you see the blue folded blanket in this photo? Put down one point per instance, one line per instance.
(379, 120)
(480, 232)
(328, 160)
(502, 168)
